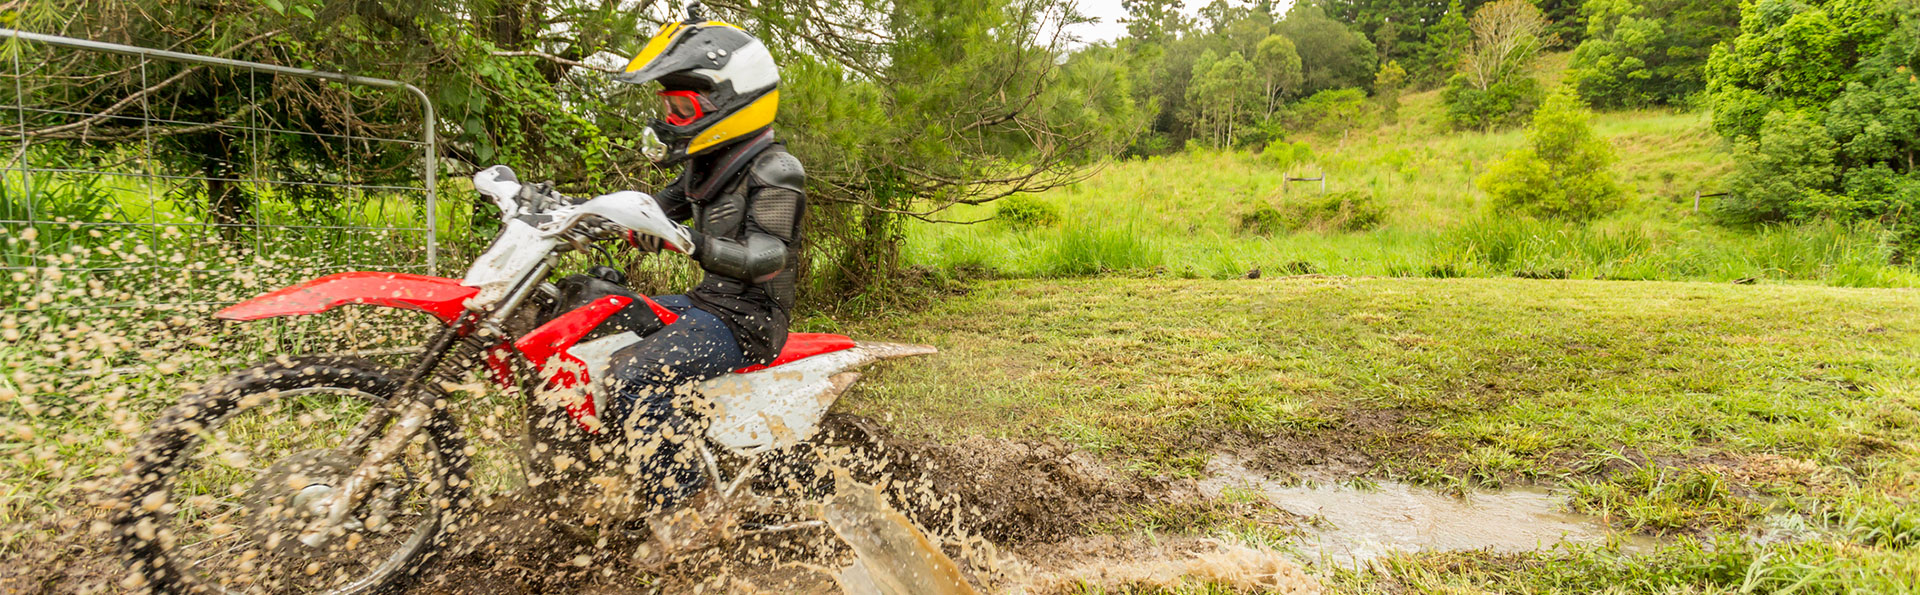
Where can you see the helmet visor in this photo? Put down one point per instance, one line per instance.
(683, 107)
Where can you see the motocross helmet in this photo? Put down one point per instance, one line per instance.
(718, 84)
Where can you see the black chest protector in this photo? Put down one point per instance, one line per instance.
(748, 211)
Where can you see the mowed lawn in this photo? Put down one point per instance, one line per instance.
(1694, 410)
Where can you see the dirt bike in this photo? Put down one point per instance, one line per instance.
(372, 473)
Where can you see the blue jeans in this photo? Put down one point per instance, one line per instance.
(653, 409)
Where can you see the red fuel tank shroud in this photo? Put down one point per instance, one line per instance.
(552, 340)
(444, 298)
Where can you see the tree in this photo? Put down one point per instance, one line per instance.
(1223, 93)
(1507, 36)
(1782, 173)
(1562, 172)
(1493, 88)
(1420, 34)
(1449, 40)
(1332, 55)
(1822, 100)
(1279, 68)
(1386, 88)
(1639, 53)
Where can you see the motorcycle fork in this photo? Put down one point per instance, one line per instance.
(414, 412)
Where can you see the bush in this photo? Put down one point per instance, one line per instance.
(1283, 154)
(1780, 175)
(1332, 111)
(1502, 105)
(1822, 101)
(1339, 211)
(1023, 212)
(1563, 171)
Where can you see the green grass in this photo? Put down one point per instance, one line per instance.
(1685, 409)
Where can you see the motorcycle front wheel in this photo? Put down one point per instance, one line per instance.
(219, 491)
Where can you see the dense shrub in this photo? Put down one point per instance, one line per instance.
(1822, 100)
(1282, 154)
(1339, 211)
(1563, 170)
(1332, 111)
(1264, 221)
(1024, 212)
(1648, 52)
(1502, 105)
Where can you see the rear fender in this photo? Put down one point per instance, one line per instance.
(443, 298)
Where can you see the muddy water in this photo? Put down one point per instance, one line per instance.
(1352, 526)
(892, 555)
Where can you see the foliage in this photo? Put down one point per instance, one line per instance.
(1425, 36)
(1507, 36)
(1639, 53)
(1492, 88)
(1333, 55)
(1223, 96)
(1451, 37)
(1790, 167)
(1024, 212)
(1332, 111)
(1822, 100)
(1282, 154)
(1386, 88)
(1504, 104)
(1340, 211)
(1278, 65)
(1563, 172)
(898, 108)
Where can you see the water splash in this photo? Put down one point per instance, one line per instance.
(893, 556)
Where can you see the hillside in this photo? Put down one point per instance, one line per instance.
(1198, 214)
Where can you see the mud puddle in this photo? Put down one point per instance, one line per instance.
(1350, 526)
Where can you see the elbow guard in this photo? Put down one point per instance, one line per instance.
(758, 259)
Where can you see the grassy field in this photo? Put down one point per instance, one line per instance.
(1183, 214)
(1692, 410)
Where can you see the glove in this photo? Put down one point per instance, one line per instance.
(646, 243)
(695, 238)
(653, 244)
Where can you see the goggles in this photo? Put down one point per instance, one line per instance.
(683, 107)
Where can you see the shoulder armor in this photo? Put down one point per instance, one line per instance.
(780, 169)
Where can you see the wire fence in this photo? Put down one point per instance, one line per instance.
(141, 185)
(172, 173)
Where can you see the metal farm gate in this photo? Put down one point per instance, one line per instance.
(139, 184)
(86, 164)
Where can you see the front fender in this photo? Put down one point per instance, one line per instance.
(444, 298)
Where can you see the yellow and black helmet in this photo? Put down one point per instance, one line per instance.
(719, 84)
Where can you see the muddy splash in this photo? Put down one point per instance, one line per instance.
(1350, 526)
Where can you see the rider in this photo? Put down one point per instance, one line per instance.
(745, 196)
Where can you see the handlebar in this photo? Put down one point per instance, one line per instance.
(607, 216)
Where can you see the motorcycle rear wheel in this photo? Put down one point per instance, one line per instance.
(203, 519)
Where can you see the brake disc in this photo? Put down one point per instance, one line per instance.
(286, 498)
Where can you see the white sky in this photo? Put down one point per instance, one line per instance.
(1110, 12)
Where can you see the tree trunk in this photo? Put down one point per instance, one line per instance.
(227, 203)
